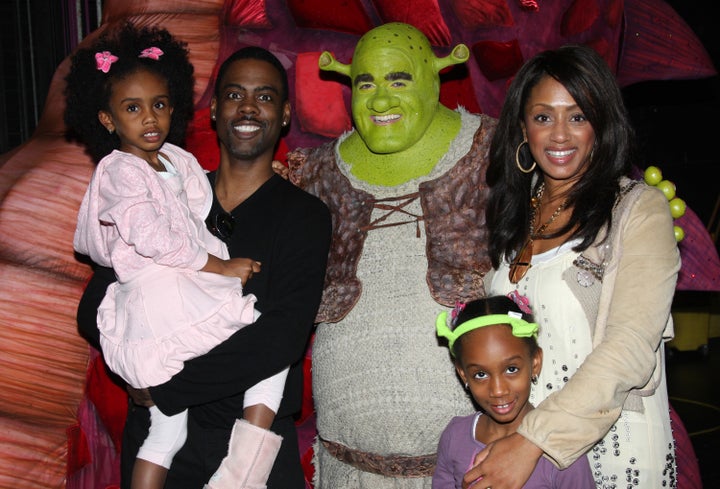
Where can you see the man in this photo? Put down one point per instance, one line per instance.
(407, 192)
(263, 217)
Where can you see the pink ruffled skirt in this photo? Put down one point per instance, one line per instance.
(151, 324)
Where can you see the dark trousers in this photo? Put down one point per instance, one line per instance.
(204, 449)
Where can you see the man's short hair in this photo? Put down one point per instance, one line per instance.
(258, 53)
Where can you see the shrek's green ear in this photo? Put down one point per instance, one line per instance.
(459, 54)
(327, 62)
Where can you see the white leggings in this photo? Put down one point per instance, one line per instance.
(166, 437)
(268, 391)
(168, 433)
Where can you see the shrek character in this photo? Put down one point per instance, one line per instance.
(402, 129)
(407, 192)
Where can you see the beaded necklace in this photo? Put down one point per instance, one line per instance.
(523, 260)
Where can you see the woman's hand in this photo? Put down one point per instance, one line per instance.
(504, 464)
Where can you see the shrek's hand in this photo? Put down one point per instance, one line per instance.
(279, 168)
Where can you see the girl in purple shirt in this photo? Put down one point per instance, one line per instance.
(494, 344)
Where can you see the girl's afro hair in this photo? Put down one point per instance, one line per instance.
(88, 89)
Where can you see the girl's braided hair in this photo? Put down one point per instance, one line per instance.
(88, 88)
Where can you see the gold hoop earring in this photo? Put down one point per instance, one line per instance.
(517, 158)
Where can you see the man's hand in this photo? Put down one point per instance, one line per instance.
(140, 397)
(504, 464)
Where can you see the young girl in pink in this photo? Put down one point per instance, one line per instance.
(178, 294)
(494, 344)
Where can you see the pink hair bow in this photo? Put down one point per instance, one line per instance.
(522, 301)
(104, 60)
(459, 306)
(152, 53)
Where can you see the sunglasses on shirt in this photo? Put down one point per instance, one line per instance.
(221, 225)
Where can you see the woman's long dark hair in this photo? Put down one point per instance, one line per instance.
(587, 78)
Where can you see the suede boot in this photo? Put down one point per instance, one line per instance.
(250, 458)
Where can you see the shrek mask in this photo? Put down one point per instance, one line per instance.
(402, 130)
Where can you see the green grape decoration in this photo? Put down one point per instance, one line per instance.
(653, 176)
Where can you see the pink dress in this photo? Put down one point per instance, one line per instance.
(150, 229)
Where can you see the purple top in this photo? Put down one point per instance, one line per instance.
(458, 447)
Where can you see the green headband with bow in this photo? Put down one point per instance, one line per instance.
(520, 327)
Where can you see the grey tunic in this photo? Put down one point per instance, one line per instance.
(381, 381)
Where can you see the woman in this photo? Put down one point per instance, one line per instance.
(594, 253)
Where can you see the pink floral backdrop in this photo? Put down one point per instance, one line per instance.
(60, 415)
